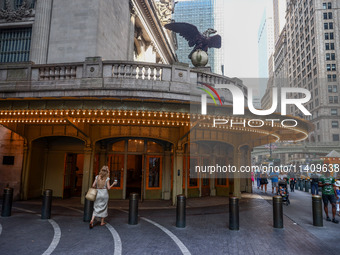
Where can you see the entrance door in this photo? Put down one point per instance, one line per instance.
(134, 174)
(69, 174)
(73, 175)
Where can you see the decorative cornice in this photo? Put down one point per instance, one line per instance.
(9, 14)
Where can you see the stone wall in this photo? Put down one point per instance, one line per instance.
(88, 28)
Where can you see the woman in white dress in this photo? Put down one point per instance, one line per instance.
(102, 184)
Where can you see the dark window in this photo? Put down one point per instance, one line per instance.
(324, 6)
(325, 16)
(335, 137)
(325, 26)
(330, 25)
(335, 124)
(330, 15)
(334, 112)
(329, 5)
(326, 36)
(331, 36)
(8, 160)
(15, 44)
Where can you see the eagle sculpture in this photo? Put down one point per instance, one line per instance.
(201, 41)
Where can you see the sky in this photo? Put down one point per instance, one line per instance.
(242, 21)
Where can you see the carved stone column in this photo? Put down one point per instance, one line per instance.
(41, 31)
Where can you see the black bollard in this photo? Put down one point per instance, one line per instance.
(46, 204)
(133, 209)
(88, 210)
(306, 185)
(180, 211)
(317, 211)
(234, 223)
(277, 212)
(7, 202)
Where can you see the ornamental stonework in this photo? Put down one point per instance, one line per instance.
(11, 14)
(165, 9)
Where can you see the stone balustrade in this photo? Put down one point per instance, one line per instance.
(104, 78)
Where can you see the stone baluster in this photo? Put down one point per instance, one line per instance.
(134, 71)
(122, 70)
(67, 73)
(115, 70)
(140, 72)
(158, 73)
(146, 73)
(73, 72)
(57, 73)
(128, 71)
(62, 73)
(152, 73)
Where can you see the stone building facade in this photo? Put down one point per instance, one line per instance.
(312, 56)
(67, 111)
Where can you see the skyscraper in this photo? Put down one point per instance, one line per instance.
(312, 55)
(265, 46)
(203, 14)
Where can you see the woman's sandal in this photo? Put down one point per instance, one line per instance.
(91, 225)
(102, 224)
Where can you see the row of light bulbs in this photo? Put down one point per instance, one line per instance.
(98, 113)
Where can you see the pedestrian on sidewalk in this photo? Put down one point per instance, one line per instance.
(275, 181)
(315, 184)
(337, 184)
(292, 182)
(327, 183)
(258, 179)
(264, 181)
(102, 184)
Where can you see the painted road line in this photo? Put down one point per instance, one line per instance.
(116, 238)
(178, 242)
(24, 210)
(56, 238)
(56, 229)
(114, 233)
(73, 209)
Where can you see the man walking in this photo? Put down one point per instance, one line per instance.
(315, 184)
(275, 181)
(327, 183)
